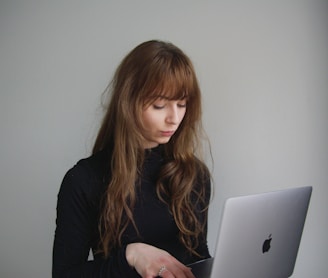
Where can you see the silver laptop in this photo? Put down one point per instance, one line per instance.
(259, 236)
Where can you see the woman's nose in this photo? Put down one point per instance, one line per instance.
(173, 116)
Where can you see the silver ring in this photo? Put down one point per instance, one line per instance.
(161, 270)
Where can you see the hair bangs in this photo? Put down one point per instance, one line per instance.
(173, 81)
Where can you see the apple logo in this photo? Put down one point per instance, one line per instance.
(267, 244)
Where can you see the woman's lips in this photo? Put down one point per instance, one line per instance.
(167, 133)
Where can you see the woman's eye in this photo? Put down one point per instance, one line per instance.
(182, 104)
(158, 106)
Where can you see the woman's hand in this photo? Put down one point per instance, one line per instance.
(151, 262)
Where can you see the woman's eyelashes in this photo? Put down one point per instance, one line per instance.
(182, 104)
(158, 106)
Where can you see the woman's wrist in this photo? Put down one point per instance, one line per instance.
(130, 253)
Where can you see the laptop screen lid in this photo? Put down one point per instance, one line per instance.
(259, 235)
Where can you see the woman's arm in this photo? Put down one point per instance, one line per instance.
(148, 260)
(202, 212)
(76, 231)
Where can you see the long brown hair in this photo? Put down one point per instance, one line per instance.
(151, 70)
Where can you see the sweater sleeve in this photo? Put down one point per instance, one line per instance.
(76, 225)
(203, 215)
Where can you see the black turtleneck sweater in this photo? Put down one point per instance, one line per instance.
(78, 211)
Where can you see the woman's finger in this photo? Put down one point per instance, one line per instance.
(176, 271)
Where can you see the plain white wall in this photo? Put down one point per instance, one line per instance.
(262, 66)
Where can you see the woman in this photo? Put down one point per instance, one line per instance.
(140, 201)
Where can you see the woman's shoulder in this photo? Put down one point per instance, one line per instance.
(202, 170)
(95, 165)
(204, 179)
(88, 175)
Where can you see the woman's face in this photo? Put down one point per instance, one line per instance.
(161, 119)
